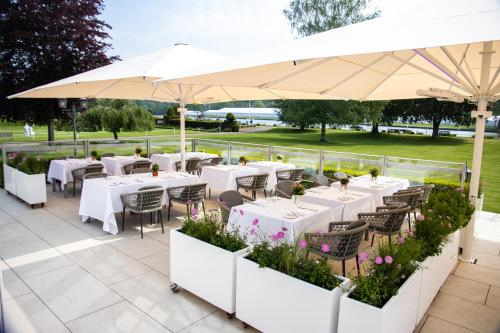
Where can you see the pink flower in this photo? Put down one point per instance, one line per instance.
(234, 210)
(284, 229)
(241, 212)
(388, 259)
(421, 218)
(379, 260)
(325, 248)
(363, 256)
(401, 240)
(194, 212)
(252, 231)
(430, 210)
(302, 244)
(274, 238)
(255, 221)
(410, 233)
(280, 235)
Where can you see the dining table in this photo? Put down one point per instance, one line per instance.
(271, 168)
(100, 198)
(114, 165)
(166, 162)
(382, 186)
(223, 177)
(61, 169)
(263, 219)
(345, 204)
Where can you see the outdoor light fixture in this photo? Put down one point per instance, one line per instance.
(84, 103)
(63, 103)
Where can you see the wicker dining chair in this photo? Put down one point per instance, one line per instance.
(411, 199)
(93, 175)
(108, 155)
(253, 183)
(145, 200)
(322, 180)
(217, 160)
(387, 220)
(141, 170)
(202, 165)
(284, 189)
(80, 172)
(192, 165)
(187, 195)
(291, 174)
(128, 169)
(338, 175)
(343, 239)
(426, 192)
(229, 199)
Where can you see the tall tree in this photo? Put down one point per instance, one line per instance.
(295, 113)
(372, 112)
(43, 41)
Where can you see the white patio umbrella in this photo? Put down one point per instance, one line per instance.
(132, 79)
(450, 51)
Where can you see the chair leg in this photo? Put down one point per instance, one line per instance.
(74, 187)
(54, 181)
(343, 268)
(254, 194)
(390, 237)
(366, 234)
(140, 217)
(415, 215)
(160, 217)
(168, 211)
(373, 237)
(187, 210)
(123, 219)
(265, 195)
(357, 263)
(203, 206)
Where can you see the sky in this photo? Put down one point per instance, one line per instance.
(227, 27)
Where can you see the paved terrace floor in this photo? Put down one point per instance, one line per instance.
(62, 275)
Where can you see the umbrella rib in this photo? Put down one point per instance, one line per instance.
(441, 67)
(362, 69)
(273, 93)
(423, 70)
(199, 91)
(471, 73)
(299, 71)
(388, 76)
(229, 95)
(459, 67)
(494, 79)
(96, 95)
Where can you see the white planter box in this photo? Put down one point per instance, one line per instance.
(435, 271)
(271, 301)
(204, 269)
(396, 316)
(29, 188)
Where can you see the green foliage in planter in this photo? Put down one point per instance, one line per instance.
(292, 259)
(388, 268)
(28, 164)
(209, 230)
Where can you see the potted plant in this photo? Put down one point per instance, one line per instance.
(343, 183)
(154, 169)
(386, 296)
(374, 173)
(93, 155)
(138, 152)
(243, 161)
(280, 289)
(298, 192)
(203, 249)
(279, 158)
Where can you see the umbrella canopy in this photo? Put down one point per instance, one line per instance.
(450, 51)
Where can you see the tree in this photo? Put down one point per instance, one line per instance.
(372, 112)
(295, 113)
(43, 41)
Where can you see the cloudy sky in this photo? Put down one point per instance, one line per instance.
(227, 27)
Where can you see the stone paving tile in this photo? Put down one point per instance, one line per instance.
(493, 299)
(436, 325)
(478, 273)
(469, 289)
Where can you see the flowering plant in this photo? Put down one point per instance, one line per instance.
(298, 189)
(209, 229)
(243, 159)
(279, 157)
(155, 167)
(28, 164)
(387, 270)
(138, 151)
(93, 154)
(344, 181)
(373, 172)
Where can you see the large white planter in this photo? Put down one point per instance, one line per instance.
(396, 316)
(204, 269)
(271, 301)
(435, 271)
(29, 188)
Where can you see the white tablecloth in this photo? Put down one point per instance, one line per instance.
(383, 186)
(271, 168)
(222, 177)
(271, 214)
(61, 169)
(114, 165)
(345, 205)
(101, 196)
(167, 161)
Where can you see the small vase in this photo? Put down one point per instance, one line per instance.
(343, 187)
(374, 178)
(297, 199)
(155, 173)
(93, 158)
(242, 164)
(279, 161)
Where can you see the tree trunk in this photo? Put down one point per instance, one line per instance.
(50, 129)
(375, 128)
(302, 126)
(115, 134)
(435, 127)
(323, 132)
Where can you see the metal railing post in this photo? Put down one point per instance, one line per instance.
(228, 153)
(86, 148)
(463, 176)
(148, 147)
(270, 153)
(384, 166)
(321, 161)
(193, 145)
(4, 153)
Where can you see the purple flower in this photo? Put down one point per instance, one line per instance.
(421, 218)
(255, 221)
(379, 260)
(280, 235)
(401, 240)
(194, 212)
(325, 248)
(363, 256)
(284, 229)
(410, 233)
(274, 238)
(252, 231)
(234, 210)
(241, 212)
(388, 260)
(302, 244)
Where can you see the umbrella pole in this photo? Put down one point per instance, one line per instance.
(182, 111)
